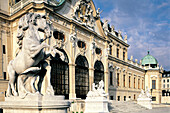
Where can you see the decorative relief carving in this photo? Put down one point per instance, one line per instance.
(73, 36)
(93, 46)
(82, 51)
(83, 13)
(59, 43)
(110, 65)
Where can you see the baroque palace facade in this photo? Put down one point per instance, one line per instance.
(94, 51)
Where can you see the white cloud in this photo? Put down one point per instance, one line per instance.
(146, 29)
(162, 5)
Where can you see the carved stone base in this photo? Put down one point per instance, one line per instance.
(35, 104)
(96, 105)
(145, 102)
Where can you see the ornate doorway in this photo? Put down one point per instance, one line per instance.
(60, 75)
(81, 77)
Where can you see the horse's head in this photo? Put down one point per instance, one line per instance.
(43, 25)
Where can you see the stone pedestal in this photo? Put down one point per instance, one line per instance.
(35, 104)
(96, 105)
(145, 102)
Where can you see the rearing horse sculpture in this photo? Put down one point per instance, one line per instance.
(31, 45)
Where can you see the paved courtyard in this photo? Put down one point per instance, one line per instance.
(156, 110)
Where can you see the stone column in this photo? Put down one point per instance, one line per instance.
(1, 56)
(91, 78)
(106, 81)
(72, 93)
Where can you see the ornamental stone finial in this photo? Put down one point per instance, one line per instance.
(125, 39)
(119, 34)
(131, 58)
(136, 60)
(112, 28)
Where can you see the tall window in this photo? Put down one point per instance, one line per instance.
(118, 98)
(134, 82)
(111, 81)
(118, 79)
(4, 51)
(98, 72)
(138, 83)
(4, 75)
(124, 98)
(110, 51)
(123, 80)
(153, 84)
(134, 96)
(81, 77)
(142, 84)
(129, 81)
(60, 75)
(123, 55)
(117, 53)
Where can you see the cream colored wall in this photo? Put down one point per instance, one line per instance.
(4, 6)
(66, 26)
(154, 75)
(122, 91)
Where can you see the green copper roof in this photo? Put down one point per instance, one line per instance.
(60, 2)
(149, 59)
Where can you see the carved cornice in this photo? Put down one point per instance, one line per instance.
(125, 63)
(118, 40)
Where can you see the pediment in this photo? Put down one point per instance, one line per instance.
(84, 13)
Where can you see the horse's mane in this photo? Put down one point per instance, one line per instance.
(23, 25)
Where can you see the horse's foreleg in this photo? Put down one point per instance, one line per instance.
(33, 79)
(37, 49)
(12, 79)
(8, 93)
(49, 89)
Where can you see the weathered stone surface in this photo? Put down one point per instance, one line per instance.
(144, 99)
(96, 100)
(34, 103)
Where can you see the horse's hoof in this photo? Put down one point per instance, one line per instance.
(15, 94)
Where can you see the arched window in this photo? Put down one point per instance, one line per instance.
(98, 72)
(60, 75)
(81, 77)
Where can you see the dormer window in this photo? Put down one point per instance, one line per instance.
(81, 44)
(58, 35)
(98, 51)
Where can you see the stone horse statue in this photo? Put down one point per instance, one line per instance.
(31, 58)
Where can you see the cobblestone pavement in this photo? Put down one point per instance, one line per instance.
(156, 110)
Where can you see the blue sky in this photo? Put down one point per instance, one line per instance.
(146, 22)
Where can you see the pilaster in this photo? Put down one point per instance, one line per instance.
(72, 93)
